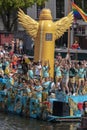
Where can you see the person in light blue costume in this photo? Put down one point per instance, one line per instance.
(30, 72)
(0, 64)
(6, 63)
(28, 89)
(20, 84)
(38, 89)
(46, 87)
(81, 76)
(45, 69)
(16, 83)
(8, 82)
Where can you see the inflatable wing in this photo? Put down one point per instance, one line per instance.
(63, 24)
(29, 24)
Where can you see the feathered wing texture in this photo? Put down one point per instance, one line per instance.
(63, 24)
(29, 24)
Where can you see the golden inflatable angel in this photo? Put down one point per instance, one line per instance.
(45, 32)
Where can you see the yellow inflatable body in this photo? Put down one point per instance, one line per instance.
(45, 32)
(45, 44)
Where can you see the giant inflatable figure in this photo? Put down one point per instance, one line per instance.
(45, 32)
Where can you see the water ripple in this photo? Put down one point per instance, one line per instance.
(14, 122)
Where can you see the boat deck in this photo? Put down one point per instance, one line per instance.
(64, 119)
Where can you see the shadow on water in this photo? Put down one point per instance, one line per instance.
(13, 122)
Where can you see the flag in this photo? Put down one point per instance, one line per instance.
(79, 12)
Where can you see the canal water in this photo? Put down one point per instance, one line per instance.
(14, 122)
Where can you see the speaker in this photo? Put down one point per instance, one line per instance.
(61, 109)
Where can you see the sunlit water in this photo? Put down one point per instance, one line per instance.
(13, 122)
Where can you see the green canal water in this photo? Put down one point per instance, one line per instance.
(14, 122)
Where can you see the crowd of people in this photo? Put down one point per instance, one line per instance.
(18, 73)
(16, 46)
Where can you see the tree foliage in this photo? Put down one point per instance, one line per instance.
(9, 8)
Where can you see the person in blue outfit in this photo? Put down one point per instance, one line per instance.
(46, 87)
(38, 90)
(45, 69)
(30, 72)
(81, 76)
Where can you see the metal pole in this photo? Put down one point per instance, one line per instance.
(69, 36)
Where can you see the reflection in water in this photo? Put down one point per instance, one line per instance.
(11, 122)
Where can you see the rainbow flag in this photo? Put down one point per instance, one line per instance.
(78, 12)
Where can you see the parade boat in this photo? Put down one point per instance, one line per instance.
(58, 107)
